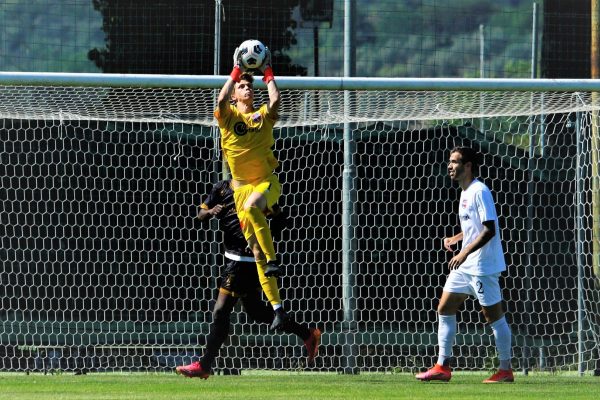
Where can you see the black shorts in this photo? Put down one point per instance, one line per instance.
(239, 278)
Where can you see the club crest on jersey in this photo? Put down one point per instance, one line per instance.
(464, 203)
(256, 117)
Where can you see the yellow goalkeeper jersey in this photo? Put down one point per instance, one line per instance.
(247, 141)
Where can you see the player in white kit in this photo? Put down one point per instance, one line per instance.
(475, 270)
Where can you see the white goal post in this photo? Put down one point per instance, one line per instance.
(104, 267)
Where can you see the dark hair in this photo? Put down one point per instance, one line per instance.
(246, 76)
(468, 155)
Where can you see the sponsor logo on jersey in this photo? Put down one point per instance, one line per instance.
(240, 128)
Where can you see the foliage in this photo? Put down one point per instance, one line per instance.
(174, 37)
(36, 37)
(393, 38)
(429, 39)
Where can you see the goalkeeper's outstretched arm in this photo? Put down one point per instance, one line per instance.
(225, 97)
(227, 90)
(269, 80)
(274, 98)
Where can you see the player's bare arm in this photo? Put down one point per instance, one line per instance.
(274, 98)
(229, 86)
(206, 214)
(269, 79)
(488, 232)
(451, 241)
(225, 97)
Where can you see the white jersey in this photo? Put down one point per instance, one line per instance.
(477, 206)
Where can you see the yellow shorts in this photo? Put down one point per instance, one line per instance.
(270, 188)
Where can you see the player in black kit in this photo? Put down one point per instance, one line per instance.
(239, 280)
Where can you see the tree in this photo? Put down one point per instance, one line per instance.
(566, 39)
(177, 37)
(565, 54)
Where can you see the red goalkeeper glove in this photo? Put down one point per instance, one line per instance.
(238, 66)
(266, 67)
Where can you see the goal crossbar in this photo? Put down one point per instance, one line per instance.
(305, 101)
(300, 83)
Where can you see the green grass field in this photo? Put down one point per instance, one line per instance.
(291, 386)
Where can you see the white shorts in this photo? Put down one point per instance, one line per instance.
(485, 287)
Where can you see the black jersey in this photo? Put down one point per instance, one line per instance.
(233, 238)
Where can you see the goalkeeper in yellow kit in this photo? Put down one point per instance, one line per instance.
(247, 141)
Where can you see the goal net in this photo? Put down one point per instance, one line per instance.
(105, 267)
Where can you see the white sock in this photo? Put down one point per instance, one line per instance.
(446, 334)
(503, 337)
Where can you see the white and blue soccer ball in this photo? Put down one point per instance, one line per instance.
(253, 53)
